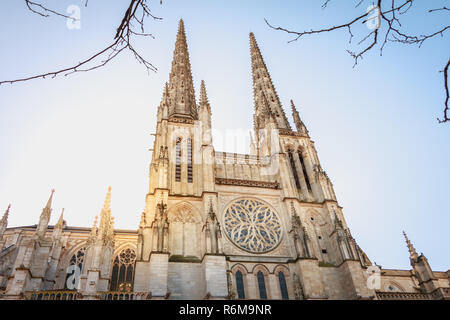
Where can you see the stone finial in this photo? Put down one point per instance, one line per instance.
(203, 96)
(301, 128)
(4, 222)
(44, 218)
(60, 223)
(412, 251)
(93, 233)
(4, 219)
(49, 202)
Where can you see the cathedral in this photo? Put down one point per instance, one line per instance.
(215, 225)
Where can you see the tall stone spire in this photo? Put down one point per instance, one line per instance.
(412, 251)
(45, 217)
(181, 88)
(301, 128)
(267, 103)
(4, 222)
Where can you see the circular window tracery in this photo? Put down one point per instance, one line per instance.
(252, 225)
(127, 256)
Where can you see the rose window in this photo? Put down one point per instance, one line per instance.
(252, 225)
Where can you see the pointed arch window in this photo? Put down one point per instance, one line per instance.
(283, 286)
(302, 162)
(178, 160)
(73, 271)
(294, 169)
(261, 285)
(240, 285)
(189, 160)
(122, 273)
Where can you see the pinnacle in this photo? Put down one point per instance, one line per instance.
(60, 220)
(293, 106)
(49, 202)
(203, 95)
(6, 214)
(107, 203)
(411, 249)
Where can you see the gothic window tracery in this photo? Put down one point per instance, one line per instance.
(252, 225)
(123, 271)
(73, 271)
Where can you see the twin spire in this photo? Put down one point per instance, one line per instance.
(267, 103)
(179, 97)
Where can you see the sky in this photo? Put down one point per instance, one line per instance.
(374, 125)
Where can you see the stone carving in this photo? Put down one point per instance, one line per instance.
(161, 226)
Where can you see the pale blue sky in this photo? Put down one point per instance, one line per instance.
(374, 126)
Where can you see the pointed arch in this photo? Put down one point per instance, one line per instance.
(185, 226)
(282, 273)
(240, 272)
(184, 212)
(122, 270)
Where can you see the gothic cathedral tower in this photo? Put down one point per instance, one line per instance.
(264, 225)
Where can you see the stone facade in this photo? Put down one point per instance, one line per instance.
(216, 225)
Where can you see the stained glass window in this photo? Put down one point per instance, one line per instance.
(123, 271)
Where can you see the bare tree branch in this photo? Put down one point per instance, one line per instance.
(446, 115)
(137, 10)
(31, 4)
(393, 33)
(439, 9)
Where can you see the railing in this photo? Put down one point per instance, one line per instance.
(116, 295)
(74, 295)
(438, 294)
(51, 295)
